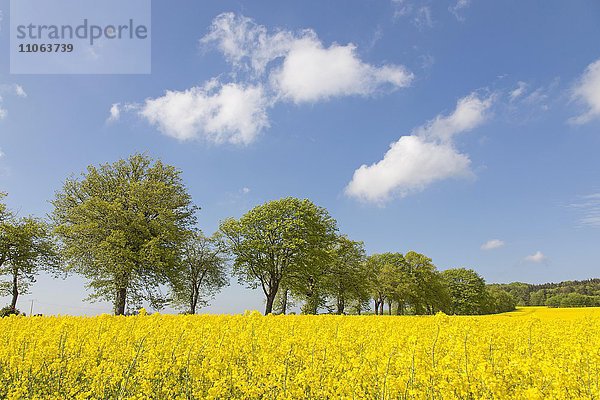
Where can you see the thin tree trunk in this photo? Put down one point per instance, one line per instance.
(284, 301)
(376, 306)
(193, 303)
(120, 301)
(381, 307)
(15, 291)
(389, 307)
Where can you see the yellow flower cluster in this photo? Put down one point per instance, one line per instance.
(533, 353)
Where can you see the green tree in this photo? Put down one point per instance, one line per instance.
(26, 247)
(280, 243)
(385, 278)
(4, 213)
(347, 280)
(467, 291)
(428, 293)
(122, 225)
(202, 272)
(499, 301)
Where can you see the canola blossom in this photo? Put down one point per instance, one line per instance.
(533, 353)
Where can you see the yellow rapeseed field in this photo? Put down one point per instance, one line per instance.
(533, 353)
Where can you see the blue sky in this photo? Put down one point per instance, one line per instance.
(491, 109)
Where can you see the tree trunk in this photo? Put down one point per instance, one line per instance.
(381, 307)
(284, 301)
(15, 291)
(376, 306)
(120, 301)
(194, 296)
(400, 309)
(270, 301)
(193, 304)
(389, 307)
(340, 305)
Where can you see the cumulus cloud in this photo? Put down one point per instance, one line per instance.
(311, 72)
(492, 244)
(267, 67)
(470, 112)
(410, 165)
(3, 113)
(537, 257)
(299, 66)
(218, 113)
(427, 155)
(245, 44)
(587, 91)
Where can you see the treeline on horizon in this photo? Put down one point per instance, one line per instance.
(130, 229)
(585, 293)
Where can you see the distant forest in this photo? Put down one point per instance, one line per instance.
(584, 293)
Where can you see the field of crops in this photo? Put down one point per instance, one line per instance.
(533, 353)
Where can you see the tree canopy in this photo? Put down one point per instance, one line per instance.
(202, 272)
(122, 225)
(26, 247)
(281, 242)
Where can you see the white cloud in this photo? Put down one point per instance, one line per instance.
(519, 91)
(218, 113)
(401, 8)
(492, 244)
(587, 91)
(410, 165)
(458, 7)
(268, 67)
(19, 91)
(470, 112)
(418, 12)
(311, 72)
(115, 113)
(245, 44)
(245, 190)
(426, 156)
(9, 90)
(537, 257)
(299, 66)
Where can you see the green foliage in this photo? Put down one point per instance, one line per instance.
(499, 301)
(122, 225)
(345, 282)
(467, 291)
(285, 242)
(410, 281)
(573, 300)
(9, 310)
(555, 294)
(26, 248)
(201, 272)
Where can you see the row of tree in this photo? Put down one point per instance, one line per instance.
(130, 229)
